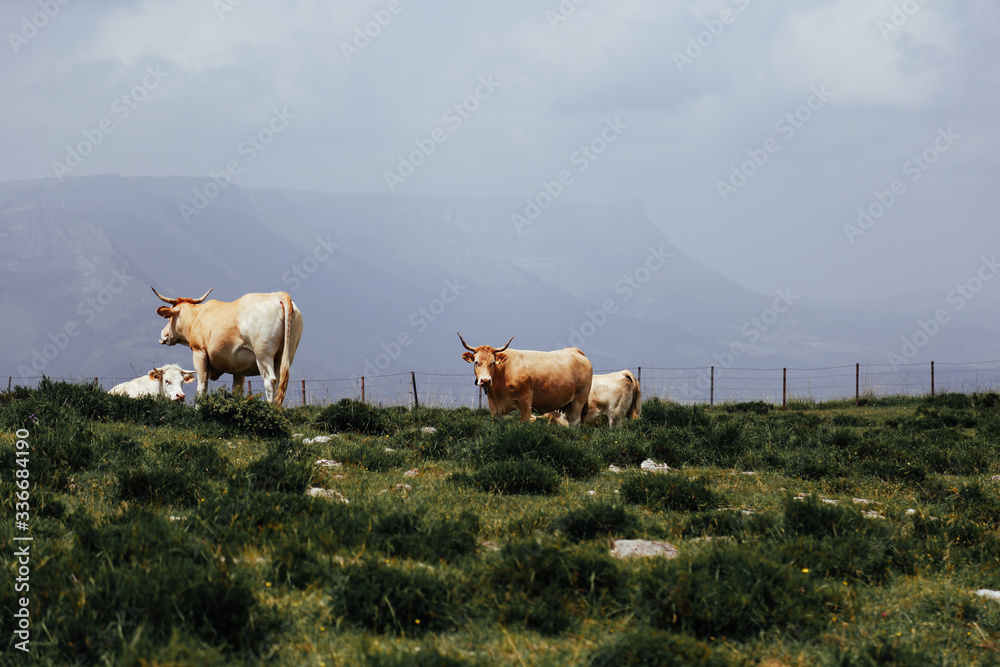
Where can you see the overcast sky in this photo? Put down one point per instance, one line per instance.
(753, 131)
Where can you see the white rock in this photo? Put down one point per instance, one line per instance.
(653, 466)
(911, 512)
(988, 594)
(429, 429)
(326, 493)
(862, 501)
(318, 439)
(643, 549)
(614, 468)
(591, 493)
(327, 463)
(868, 514)
(413, 472)
(389, 449)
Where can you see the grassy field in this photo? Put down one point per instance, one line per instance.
(163, 535)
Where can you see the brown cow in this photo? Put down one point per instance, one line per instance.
(250, 336)
(526, 379)
(614, 395)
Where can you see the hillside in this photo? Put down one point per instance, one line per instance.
(77, 259)
(239, 533)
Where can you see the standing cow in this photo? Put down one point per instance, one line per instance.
(250, 336)
(167, 381)
(526, 379)
(616, 396)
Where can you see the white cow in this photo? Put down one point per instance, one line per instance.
(614, 395)
(166, 381)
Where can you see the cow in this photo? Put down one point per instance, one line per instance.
(614, 395)
(253, 335)
(526, 379)
(166, 381)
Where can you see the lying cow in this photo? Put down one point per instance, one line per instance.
(526, 379)
(614, 395)
(166, 382)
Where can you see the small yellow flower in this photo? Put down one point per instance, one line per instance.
(805, 570)
(267, 583)
(417, 621)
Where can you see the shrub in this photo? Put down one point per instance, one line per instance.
(406, 534)
(160, 486)
(403, 598)
(664, 413)
(595, 520)
(647, 646)
(247, 415)
(735, 592)
(371, 455)
(283, 468)
(548, 445)
(512, 477)
(755, 407)
(666, 492)
(349, 415)
(730, 523)
(543, 586)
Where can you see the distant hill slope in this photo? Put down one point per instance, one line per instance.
(384, 282)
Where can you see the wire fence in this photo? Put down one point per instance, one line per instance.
(687, 385)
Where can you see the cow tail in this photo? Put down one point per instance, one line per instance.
(635, 409)
(286, 356)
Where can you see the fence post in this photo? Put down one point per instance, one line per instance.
(711, 387)
(10, 378)
(303, 392)
(784, 386)
(413, 379)
(362, 388)
(932, 379)
(932, 382)
(857, 384)
(249, 388)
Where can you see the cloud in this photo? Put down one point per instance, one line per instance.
(846, 46)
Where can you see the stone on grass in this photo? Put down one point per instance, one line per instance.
(643, 549)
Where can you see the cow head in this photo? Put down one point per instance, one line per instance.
(172, 333)
(171, 379)
(486, 360)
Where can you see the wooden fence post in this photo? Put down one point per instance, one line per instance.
(857, 384)
(413, 379)
(932, 379)
(362, 388)
(711, 387)
(303, 392)
(249, 389)
(784, 386)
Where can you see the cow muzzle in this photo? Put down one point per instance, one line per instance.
(484, 382)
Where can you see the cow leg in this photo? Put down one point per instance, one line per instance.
(201, 369)
(524, 406)
(238, 384)
(576, 407)
(269, 377)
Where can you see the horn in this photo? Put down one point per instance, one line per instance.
(203, 296)
(470, 349)
(172, 302)
(505, 346)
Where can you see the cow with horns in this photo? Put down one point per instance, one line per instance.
(526, 379)
(253, 335)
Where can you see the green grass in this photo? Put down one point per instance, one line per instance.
(168, 535)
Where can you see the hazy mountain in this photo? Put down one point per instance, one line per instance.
(384, 282)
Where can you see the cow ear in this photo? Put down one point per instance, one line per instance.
(189, 377)
(165, 311)
(468, 356)
(156, 374)
(500, 357)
